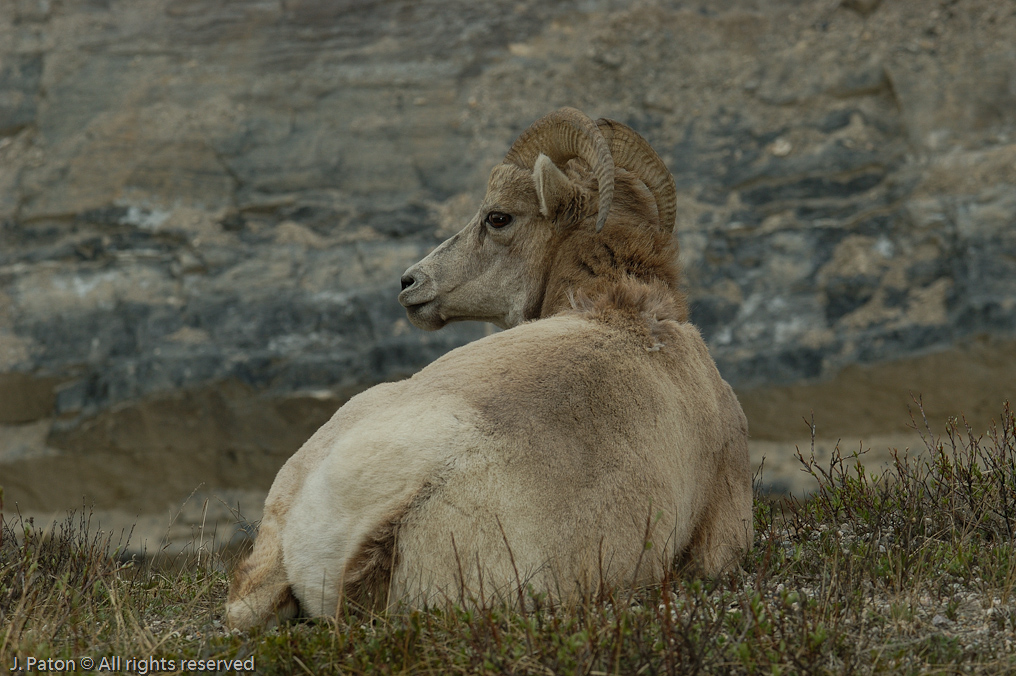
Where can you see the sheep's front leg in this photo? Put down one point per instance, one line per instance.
(260, 593)
(725, 531)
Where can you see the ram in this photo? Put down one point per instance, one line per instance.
(591, 443)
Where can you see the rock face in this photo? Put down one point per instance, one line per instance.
(205, 207)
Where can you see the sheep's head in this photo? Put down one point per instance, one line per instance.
(557, 179)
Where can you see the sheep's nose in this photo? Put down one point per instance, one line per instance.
(407, 281)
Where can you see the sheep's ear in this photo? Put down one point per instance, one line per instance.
(554, 188)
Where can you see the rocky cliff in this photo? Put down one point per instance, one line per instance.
(205, 206)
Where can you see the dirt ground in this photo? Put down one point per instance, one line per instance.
(865, 409)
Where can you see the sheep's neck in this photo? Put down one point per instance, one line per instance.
(595, 266)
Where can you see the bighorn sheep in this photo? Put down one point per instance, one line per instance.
(543, 455)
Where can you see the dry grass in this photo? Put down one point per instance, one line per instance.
(913, 571)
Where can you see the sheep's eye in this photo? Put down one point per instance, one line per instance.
(496, 219)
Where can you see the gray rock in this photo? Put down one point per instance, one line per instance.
(213, 202)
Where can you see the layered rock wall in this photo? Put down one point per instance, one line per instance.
(205, 207)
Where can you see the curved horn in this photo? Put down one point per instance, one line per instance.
(632, 152)
(562, 135)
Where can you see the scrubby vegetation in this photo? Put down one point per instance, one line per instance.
(912, 570)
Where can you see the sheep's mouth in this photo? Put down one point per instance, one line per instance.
(425, 315)
(417, 308)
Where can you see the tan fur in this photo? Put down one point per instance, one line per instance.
(544, 455)
(259, 591)
(368, 575)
